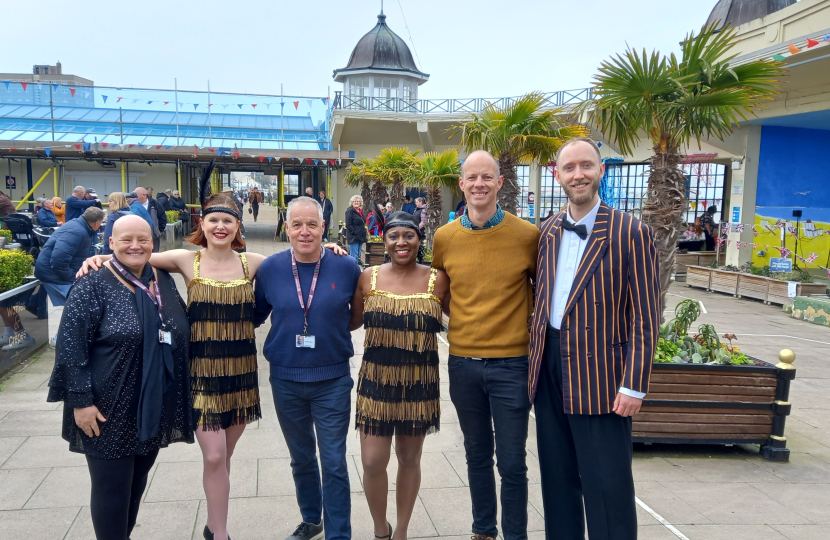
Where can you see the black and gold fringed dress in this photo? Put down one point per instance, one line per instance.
(223, 366)
(397, 390)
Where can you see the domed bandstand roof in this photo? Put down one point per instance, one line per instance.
(381, 50)
(737, 12)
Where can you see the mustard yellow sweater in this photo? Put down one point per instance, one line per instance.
(490, 272)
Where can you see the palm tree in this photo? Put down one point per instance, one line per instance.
(393, 164)
(672, 101)
(518, 134)
(435, 171)
(360, 174)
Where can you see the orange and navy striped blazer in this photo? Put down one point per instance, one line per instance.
(611, 323)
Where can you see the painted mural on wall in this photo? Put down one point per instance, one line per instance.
(791, 176)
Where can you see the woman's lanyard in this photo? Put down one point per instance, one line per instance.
(154, 295)
(296, 273)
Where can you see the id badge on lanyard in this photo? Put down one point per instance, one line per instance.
(305, 340)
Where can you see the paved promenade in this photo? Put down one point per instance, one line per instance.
(699, 493)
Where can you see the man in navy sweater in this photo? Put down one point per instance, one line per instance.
(308, 347)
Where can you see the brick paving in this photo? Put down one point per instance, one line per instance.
(705, 492)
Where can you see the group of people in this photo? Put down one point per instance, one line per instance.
(138, 368)
(360, 225)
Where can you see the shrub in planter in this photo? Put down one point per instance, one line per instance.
(8, 234)
(172, 216)
(14, 266)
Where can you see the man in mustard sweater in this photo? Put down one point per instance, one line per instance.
(490, 258)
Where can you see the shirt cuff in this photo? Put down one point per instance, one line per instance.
(79, 400)
(632, 393)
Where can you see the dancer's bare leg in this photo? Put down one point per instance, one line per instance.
(217, 448)
(408, 451)
(374, 454)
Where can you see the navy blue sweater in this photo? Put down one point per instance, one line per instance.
(328, 318)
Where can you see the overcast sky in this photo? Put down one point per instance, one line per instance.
(481, 48)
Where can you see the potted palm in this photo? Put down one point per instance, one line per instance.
(673, 101)
(435, 171)
(525, 131)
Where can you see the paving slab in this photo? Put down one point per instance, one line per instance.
(725, 470)
(17, 486)
(736, 503)
(156, 521)
(26, 400)
(732, 532)
(25, 423)
(8, 446)
(63, 486)
(182, 481)
(25, 381)
(44, 451)
(43, 524)
(802, 532)
(809, 500)
(669, 505)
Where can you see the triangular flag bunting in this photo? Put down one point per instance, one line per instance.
(195, 105)
(104, 144)
(779, 57)
(48, 151)
(309, 102)
(105, 98)
(72, 91)
(130, 146)
(212, 149)
(324, 100)
(24, 84)
(54, 87)
(166, 146)
(195, 150)
(86, 94)
(77, 146)
(253, 105)
(236, 155)
(149, 103)
(811, 43)
(239, 105)
(158, 146)
(296, 105)
(119, 99)
(269, 159)
(210, 105)
(793, 49)
(316, 161)
(165, 102)
(9, 82)
(261, 159)
(87, 146)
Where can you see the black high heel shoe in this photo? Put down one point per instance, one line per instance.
(209, 535)
(387, 537)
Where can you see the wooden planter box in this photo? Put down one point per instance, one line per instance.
(778, 291)
(724, 281)
(698, 276)
(751, 286)
(717, 404)
(705, 258)
(375, 253)
(682, 260)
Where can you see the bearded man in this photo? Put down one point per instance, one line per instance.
(596, 324)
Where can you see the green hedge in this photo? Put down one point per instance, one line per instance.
(172, 216)
(7, 234)
(14, 266)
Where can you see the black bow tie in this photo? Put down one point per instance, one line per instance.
(580, 230)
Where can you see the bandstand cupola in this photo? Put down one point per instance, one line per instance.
(380, 67)
(737, 12)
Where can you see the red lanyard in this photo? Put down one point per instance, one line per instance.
(154, 295)
(296, 273)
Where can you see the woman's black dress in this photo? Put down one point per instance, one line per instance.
(98, 361)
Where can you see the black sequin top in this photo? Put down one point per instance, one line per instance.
(98, 361)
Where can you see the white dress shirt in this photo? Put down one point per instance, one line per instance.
(571, 249)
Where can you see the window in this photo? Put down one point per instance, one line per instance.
(386, 92)
(410, 90)
(292, 184)
(552, 197)
(523, 181)
(706, 188)
(358, 92)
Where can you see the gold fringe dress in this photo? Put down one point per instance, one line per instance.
(223, 366)
(397, 389)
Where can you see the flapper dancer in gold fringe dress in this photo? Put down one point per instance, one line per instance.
(400, 304)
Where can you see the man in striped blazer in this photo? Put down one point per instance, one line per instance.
(594, 333)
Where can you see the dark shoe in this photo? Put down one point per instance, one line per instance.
(307, 531)
(207, 534)
(389, 536)
(481, 536)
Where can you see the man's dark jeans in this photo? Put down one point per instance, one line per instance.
(325, 406)
(490, 395)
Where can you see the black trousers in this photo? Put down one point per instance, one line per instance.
(255, 208)
(582, 457)
(117, 487)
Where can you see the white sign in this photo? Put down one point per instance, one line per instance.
(737, 189)
(791, 288)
